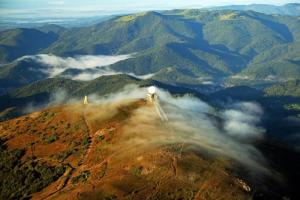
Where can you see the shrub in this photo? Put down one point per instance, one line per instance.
(64, 155)
(51, 138)
(20, 180)
(136, 171)
(82, 177)
(86, 141)
(100, 138)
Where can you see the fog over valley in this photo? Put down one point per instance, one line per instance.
(151, 100)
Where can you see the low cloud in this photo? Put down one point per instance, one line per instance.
(88, 67)
(86, 76)
(243, 119)
(192, 122)
(228, 133)
(56, 98)
(60, 64)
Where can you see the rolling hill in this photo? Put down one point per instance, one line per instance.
(83, 151)
(60, 90)
(21, 72)
(71, 151)
(238, 140)
(292, 9)
(179, 46)
(289, 88)
(15, 43)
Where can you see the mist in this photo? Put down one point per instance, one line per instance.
(229, 133)
(199, 126)
(77, 62)
(87, 67)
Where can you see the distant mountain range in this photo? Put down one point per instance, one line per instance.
(186, 48)
(185, 51)
(179, 47)
(292, 9)
(211, 68)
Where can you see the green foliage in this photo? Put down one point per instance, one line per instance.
(289, 88)
(100, 138)
(20, 180)
(179, 47)
(15, 43)
(82, 177)
(47, 86)
(86, 140)
(136, 171)
(292, 107)
(292, 9)
(65, 154)
(52, 138)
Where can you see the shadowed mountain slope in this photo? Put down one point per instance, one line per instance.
(182, 46)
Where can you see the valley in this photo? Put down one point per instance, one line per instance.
(185, 103)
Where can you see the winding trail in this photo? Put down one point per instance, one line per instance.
(91, 135)
(174, 165)
(63, 181)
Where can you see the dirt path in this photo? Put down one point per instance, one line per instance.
(61, 182)
(91, 135)
(174, 165)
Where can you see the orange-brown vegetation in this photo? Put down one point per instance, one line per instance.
(91, 142)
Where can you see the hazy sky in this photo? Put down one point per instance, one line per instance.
(61, 8)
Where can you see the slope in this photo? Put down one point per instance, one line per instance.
(103, 153)
(186, 46)
(99, 162)
(59, 90)
(195, 45)
(15, 43)
(292, 9)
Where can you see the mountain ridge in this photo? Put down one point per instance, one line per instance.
(292, 9)
(189, 46)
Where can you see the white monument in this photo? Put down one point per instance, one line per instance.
(152, 96)
(85, 101)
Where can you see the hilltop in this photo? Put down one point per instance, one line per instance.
(292, 9)
(59, 90)
(178, 46)
(98, 159)
(120, 148)
(222, 123)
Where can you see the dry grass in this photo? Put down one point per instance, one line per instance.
(105, 166)
(229, 16)
(128, 18)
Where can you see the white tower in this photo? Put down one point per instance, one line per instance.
(152, 96)
(85, 101)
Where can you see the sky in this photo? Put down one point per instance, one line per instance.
(67, 8)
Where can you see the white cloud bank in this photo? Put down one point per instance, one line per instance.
(242, 120)
(227, 133)
(80, 62)
(196, 124)
(90, 66)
